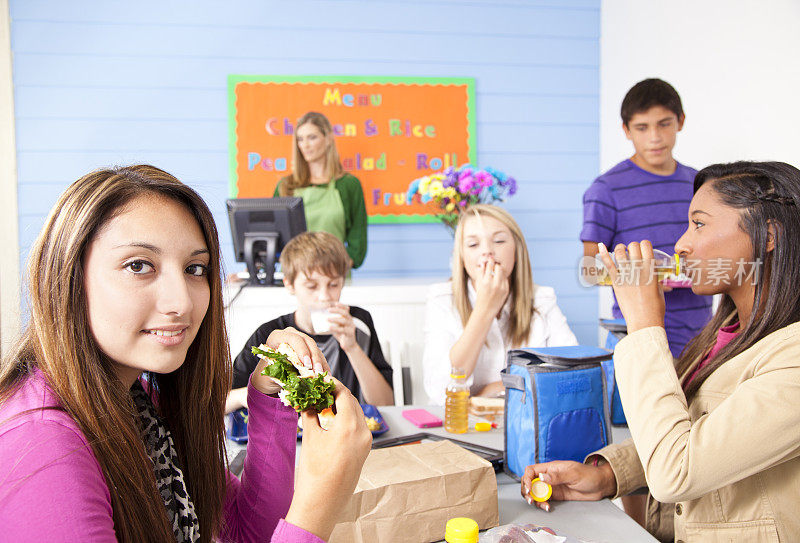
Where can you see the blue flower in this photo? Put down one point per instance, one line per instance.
(412, 189)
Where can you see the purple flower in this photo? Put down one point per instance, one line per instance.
(451, 177)
(484, 179)
(465, 183)
(511, 186)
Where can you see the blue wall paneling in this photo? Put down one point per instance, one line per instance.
(124, 82)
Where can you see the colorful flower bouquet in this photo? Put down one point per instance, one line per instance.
(454, 190)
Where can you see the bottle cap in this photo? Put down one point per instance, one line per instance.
(540, 491)
(483, 426)
(457, 373)
(461, 530)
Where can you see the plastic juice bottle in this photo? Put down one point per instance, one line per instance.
(456, 404)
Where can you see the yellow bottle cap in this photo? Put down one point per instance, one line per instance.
(461, 530)
(540, 491)
(483, 426)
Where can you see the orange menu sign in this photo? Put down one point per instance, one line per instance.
(388, 131)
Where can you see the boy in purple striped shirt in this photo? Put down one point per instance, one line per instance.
(647, 197)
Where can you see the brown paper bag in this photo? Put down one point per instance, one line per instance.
(408, 493)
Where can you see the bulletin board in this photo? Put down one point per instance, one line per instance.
(388, 131)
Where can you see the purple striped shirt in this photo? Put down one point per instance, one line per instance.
(627, 204)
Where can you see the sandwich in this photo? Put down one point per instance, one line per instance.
(303, 389)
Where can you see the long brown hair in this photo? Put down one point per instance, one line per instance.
(59, 342)
(766, 194)
(521, 278)
(301, 173)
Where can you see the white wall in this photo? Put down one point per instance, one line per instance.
(734, 63)
(9, 251)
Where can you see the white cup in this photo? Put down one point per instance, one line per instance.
(320, 321)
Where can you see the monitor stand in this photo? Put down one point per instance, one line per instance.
(259, 254)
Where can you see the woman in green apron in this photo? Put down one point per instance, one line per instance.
(333, 200)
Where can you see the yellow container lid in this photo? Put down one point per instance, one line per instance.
(483, 426)
(540, 491)
(461, 530)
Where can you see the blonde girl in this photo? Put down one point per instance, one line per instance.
(489, 306)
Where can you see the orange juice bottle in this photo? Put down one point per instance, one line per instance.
(456, 406)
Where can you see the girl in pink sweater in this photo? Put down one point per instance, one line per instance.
(112, 404)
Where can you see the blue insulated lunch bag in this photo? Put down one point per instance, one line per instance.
(617, 329)
(556, 406)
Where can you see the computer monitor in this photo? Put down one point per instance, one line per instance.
(261, 227)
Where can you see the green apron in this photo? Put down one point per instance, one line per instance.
(324, 209)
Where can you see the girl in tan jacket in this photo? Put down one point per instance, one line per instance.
(715, 434)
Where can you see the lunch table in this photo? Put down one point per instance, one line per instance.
(596, 521)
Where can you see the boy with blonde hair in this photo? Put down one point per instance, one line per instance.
(315, 265)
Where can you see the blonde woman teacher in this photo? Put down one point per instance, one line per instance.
(489, 306)
(333, 200)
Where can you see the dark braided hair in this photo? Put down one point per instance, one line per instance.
(767, 195)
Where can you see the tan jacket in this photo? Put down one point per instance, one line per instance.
(730, 462)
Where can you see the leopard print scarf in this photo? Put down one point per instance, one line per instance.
(169, 477)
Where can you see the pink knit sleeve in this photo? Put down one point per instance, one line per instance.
(257, 504)
(51, 486)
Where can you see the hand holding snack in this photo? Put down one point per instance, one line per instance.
(330, 464)
(302, 388)
(308, 354)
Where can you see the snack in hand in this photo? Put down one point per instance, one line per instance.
(325, 418)
(302, 388)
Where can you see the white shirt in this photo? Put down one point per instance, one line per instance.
(443, 328)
